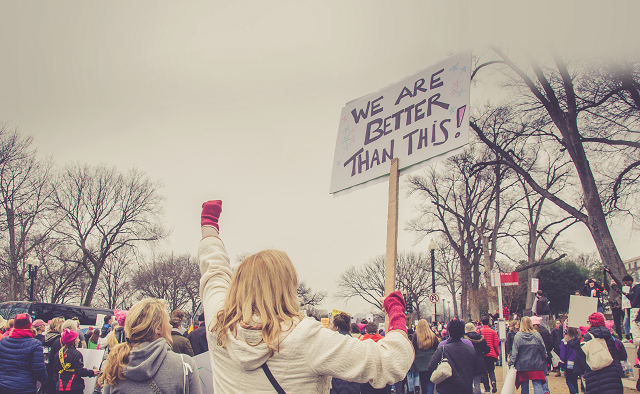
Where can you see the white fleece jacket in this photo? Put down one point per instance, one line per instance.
(309, 355)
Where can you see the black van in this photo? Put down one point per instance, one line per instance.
(41, 310)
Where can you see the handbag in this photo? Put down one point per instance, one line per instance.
(597, 353)
(443, 372)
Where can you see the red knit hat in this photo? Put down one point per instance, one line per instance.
(596, 319)
(22, 321)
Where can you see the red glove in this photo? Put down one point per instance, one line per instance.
(395, 306)
(211, 213)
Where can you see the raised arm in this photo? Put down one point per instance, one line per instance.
(214, 262)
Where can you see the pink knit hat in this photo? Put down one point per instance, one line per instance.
(121, 316)
(69, 336)
(609, 324)
(584, 330)
(536, 320)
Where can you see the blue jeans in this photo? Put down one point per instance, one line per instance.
(537, 387)
(412, 379)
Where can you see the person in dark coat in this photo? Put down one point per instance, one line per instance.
(51, 345)
(548, 345)
(481, 348)
(341, 323)
(21, 359)
(425, 342)
(198, 337)
(514, 326)
(69, 365)
(462, 359)
(606, 380)
(593, 289)
(556, 339)
(180, 344)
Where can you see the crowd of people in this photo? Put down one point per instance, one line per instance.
(259, 342)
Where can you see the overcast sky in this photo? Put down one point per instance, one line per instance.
(240, 101)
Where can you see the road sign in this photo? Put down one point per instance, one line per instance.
(434, 298)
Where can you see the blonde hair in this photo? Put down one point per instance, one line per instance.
(144, 320)
(425, 337)
(265, 284)
(526, 325)
(513, 324)
(469, 327)
(56, 324)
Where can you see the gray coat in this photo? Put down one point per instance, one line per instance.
(155, 361)
(528, 353)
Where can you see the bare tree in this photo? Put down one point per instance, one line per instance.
(25, 189)
(169, 277)
(367, 281)
(115, 289)
(581, 110)
(59, 276)
(101, 211)
(308, 297)
(448, 269)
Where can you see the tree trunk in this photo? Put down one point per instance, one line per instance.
(92, 287)
(13, 261)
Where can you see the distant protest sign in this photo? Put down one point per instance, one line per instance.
(422, 119)
(579, 310)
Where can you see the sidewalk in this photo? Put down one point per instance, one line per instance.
(559, 386)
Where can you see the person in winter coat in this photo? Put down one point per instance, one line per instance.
(514, 326)
(568, 359)
(180, 344)
(198, 337)
(52, 345)
(21, 359)
(461, 358)
(490, 358)
(371, 332)
(145, 363)
(341, 324)
(528, 356)
(69, 365)
(39, 325)
(593, 289)
(548, 345)
(556, 339)
(606, 380)
(481, 348)
(257, 327)
(106, 327)
(92, 343)
(355, 331)
(425, 342)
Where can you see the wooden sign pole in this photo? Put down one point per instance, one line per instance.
(392, 231)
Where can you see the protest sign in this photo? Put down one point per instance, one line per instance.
(534, 285)
(100, 320)
(420, 120)
(203, 363)
(336, 312)
(325, 321)
(579, 310)
(92, 359)
(625, 301)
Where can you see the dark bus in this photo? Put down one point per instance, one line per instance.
(41, 310)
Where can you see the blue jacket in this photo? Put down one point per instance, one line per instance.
(21, 364)
(567, 354)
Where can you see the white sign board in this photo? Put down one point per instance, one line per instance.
(203, 363)
(625, 301)
(534, 285)
(495, 277)
(579, 310)
(421, 119)
(92, 359)
(502, 329)
(100, 320)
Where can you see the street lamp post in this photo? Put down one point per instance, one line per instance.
(432, 249)
(444, 315)
(449, 308)
(33, 271)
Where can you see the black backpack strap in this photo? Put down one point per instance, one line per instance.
(273, 380)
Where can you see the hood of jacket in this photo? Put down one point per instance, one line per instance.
(145, 359)
(104, 330)
(527, 336)
(474, 337)
(248, 350)
(599, 332)
(50, 338)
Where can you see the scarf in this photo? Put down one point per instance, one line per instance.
(21, 333)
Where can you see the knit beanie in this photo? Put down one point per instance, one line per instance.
(584, 330)
(120, 316)
(38, 323)
(69, 336)
(596, 319)
(22, 321)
